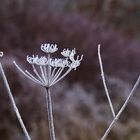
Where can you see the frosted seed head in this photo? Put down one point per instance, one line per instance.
(32, 60)
(72, 54)
(66, 52)
(55, 70)
(49, 48)
(80, 59)
(42, 61)
(58, 62)
(75, 63)
(1, 54)
(69, 53)
(36, 60)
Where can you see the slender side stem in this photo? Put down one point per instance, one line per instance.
(104, 82)
(27, 74)
(43, 74)
(122, 109)
(37, 74)
(49, 69)
(57, 75)
(50, 114)
(52, 74)
(57, 80)
(14, 104)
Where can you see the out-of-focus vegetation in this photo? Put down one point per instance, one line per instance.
(117, 14)
(79, 101)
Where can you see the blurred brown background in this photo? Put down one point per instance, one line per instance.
(80, 106)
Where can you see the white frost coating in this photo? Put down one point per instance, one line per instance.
(57, 62)
(1, 54)
(68, 53)
(36, 60)
(49, 48)
(76, 63)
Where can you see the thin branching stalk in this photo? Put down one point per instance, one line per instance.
(50, 114)
(104, 82)
(13, 103)
(122, 109)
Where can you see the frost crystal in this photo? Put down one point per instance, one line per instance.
(36, 60)
(51, 70)
(68, 53)
(49, 48)
(58, 62)
(1, 54)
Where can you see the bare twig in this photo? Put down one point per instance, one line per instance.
(104, 82)
(13, 103)
(122, 109)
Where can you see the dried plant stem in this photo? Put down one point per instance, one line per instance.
(104, 82)
(13, 103)
(50, 114)
(122, 109)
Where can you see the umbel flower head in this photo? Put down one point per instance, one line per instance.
(47, 70)
(1, 54)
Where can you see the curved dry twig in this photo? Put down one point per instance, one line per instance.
(116, 117)
(104, 82)
(122, 109)
(13, 103)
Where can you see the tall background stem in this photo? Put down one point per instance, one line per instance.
(50, 114)
(13, 103)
